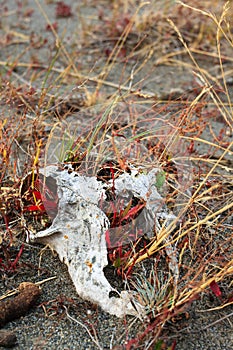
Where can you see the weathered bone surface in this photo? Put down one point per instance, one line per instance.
(77, 233)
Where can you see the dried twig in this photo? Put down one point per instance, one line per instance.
(94, 339)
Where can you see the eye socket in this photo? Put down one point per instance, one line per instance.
(114, 294)
(108, 171)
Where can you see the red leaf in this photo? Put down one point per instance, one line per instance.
(37, 194)
(107, 238)
(63, 10)
(173, 345)
(133, 211)
(52, 26)
(39, 207)
(215, 289)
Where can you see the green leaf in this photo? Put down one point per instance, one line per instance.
(117, 262)
(158, 345)
(160, 179)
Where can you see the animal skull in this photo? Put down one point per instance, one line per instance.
(77, 232)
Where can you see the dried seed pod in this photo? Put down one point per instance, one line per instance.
(18, 306)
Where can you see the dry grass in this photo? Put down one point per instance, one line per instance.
(117, 114)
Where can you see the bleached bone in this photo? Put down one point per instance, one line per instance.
(77, 232)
